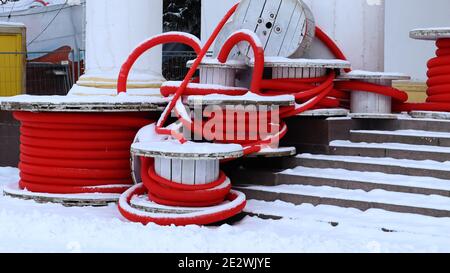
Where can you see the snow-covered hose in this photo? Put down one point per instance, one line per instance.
(438, 82)
(164, 192)
(165, 38)
(177, 96)
(69, 153)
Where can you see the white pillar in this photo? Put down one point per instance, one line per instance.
(114, 28)
(358, 28)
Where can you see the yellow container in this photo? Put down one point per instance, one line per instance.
(12, 59)
(417, 91)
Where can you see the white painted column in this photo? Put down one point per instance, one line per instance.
(114, 28)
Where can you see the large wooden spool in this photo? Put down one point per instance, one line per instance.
(366, 105)
(189, 164)
(430, 34)
(285, 27)
(214, 72)
(286, 68)
(76, 104)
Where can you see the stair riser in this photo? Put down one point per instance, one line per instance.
(355, 185)
(316, 201)
(253, 177)
(409, 124)
(382, 153)
(363, 167)
(413, 140)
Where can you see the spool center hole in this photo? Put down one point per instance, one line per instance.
(269, 25)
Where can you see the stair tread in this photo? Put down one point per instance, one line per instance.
(391, 146)
(406, 133)
(384, 161)
(374, 218)
(371, 177)
(433, 202)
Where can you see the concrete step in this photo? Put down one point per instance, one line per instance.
(344, 179)
(366, 181)
(406, 123)
(390, 150)
(414, 137)
(435, 206)
(369, 164)
(380, 220)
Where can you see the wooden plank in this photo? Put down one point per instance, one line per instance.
(82, 107)
(68, 200)
(188, 172)
(201, 169)
(212, 174)
(430, 33)
(158, 164)
(368, 75)
(303, 63)
(166, 168)
(177, 168)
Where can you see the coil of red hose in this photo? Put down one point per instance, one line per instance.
(72, 153)
(438, 81)
(168, 193)
(164, 192)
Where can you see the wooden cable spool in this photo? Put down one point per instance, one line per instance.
(285, 27)
(369, 105)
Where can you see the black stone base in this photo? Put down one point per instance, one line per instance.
(9, 140)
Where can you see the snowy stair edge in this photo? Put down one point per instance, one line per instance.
(404, 163)
(412, 137)
(431, 205)
(336, 216)
(390, 146)
(376, 178)
(412, 133)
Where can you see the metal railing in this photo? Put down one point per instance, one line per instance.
(42, 74)
(39, 73)
(174, 64)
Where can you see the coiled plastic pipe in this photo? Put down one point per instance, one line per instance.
(438, 82)
(164, 192)
(68, 153)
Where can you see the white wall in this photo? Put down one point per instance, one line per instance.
(402, 53)
(357, 25)
(212, 12)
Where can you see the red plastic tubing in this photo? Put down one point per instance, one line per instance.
(438, 82)
(67, 153)
(168, 193)
(164, 192)
(165, 38)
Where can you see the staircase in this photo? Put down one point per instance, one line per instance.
(403, 167)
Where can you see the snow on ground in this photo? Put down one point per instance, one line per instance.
(26, 226)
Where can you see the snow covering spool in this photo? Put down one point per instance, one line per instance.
(182, 184)
(209, 202)
(75, 151)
